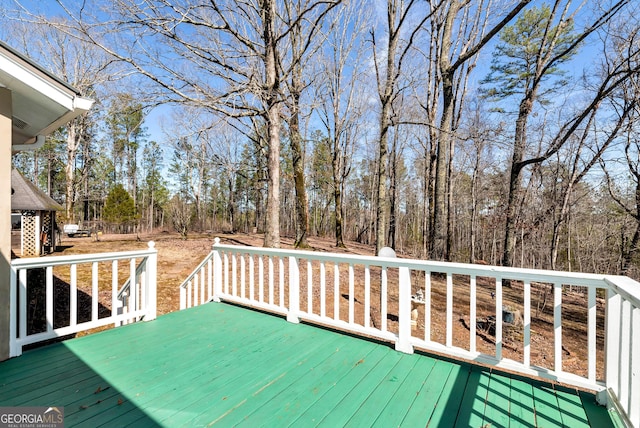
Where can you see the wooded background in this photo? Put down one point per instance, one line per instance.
(500, 131)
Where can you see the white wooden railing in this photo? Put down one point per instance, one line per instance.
(380, 297)
(99, 277)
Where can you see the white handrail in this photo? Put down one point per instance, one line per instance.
(255, 277)
(145, 278)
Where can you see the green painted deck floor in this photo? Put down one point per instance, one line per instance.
(222, 365)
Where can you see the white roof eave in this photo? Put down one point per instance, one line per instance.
(40, 99)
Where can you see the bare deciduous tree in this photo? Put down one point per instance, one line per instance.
(340, 95)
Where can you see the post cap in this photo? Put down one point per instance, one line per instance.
(386, 252)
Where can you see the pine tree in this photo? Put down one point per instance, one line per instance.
(119, 207)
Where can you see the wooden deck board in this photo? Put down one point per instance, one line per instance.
(371, 410)
(393, 416)
(320, 406)
(230, 366)
(425, 402)
(449, 397)
(548, 413)
(521, 404)
(573, 413)
(498, 403)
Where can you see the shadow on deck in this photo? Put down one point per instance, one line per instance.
(219, 364)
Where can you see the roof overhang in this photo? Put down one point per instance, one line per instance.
(41, 102)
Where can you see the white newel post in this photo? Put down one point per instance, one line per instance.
(183, 298)
(294, 291)
(217, 271)
(152, 282)
(613, 312)
(14, 349)
(403, 343)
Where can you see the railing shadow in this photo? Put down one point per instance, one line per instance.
(88, 400)
(36, 306)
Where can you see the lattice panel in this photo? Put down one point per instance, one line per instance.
(47, 229)
(29, 234)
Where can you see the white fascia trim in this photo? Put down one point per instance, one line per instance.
(27, 77)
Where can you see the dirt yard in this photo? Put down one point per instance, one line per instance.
(177, 258)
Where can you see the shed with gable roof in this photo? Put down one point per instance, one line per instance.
(37, 216)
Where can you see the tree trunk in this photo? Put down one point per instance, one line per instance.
(297, 153)
(439, 230)
(381, 194)
(393, 192)
(70, 171)
(386, 98)
(337, 196)
(515, 179)
(272, 87)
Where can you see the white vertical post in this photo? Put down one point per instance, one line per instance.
(234, 274)
(152, 282)
(261, 278)
(270, 278)
(196, 284)
(427, 306)
(22, 298)
(183, 297)
(449, 332)
(625, 355)
(243, 279)
(114, 293)
(383, 299)
(309, 287)
(203, 279)
(591, 332)
(323, 290)
(73, 296)
(252, 278)
(527, 323)
(217, 272)
(367, 296)
(49, 297)
(133, 288)
(499, 318)
(403, 344)
(210, 279)
(281, 280)
(225, 273)
(14, 349)
(472, 314)
(189, 294)
(634, 396)
(557, 326)
(336, 292)
(352, 297)
(294, 290)
(613, 313)
(94, 290)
